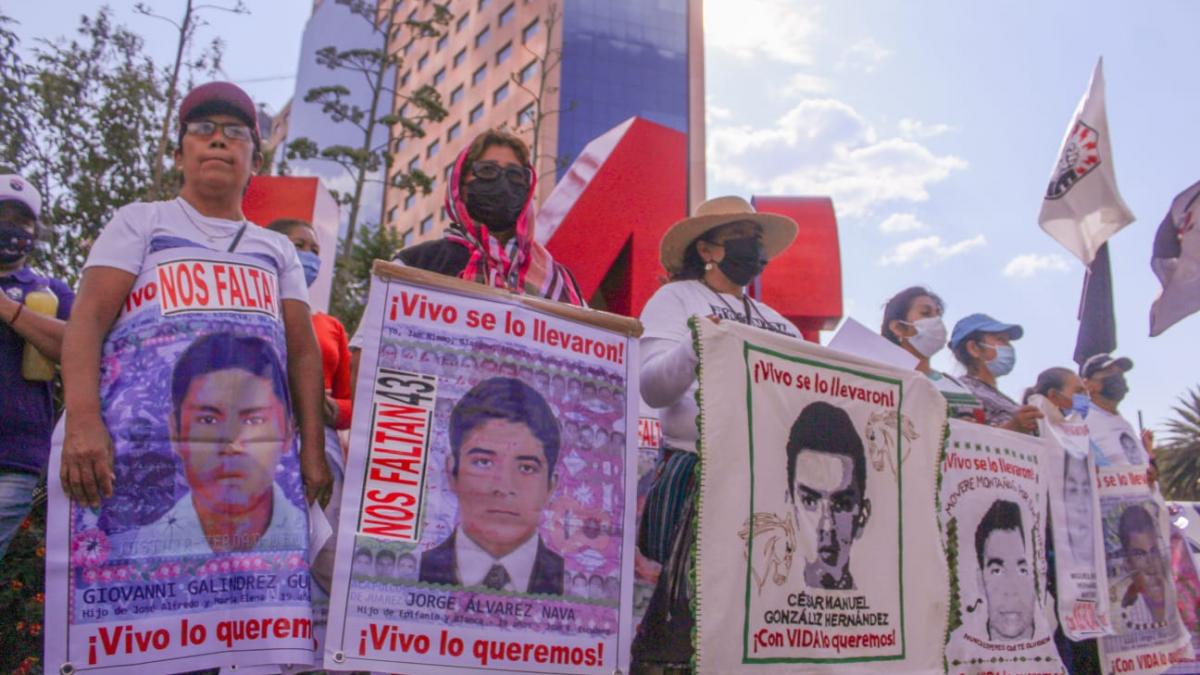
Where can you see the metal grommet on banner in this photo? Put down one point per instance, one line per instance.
(66, 669)
(339, 657)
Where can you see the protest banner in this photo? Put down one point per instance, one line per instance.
(991, 508)
(199, 559)
(487, 515)
(1185, 546)
(649, 444)
(1148, 636)
(1070, 474)
(817, 544)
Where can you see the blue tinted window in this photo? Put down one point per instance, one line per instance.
(441, 43)
(426, 224)
(477, 76)
(483, 36)
(484, 3)
(462, 23)
(409, 201)
(525, 116)
(456, 95)
(529, 31)
(527, 72)
(433, 148)
(454, 132)
(414, 163)
(422, 61)
(460, 57)
(500, 94)
(439, 77)
(504, 53)
(508, 13)
(407, 238)
(476, 113)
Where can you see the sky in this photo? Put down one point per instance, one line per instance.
(933, 126)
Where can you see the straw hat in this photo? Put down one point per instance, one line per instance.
(778, 232)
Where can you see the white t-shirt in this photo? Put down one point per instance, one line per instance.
(664, 321)
(1113, 440)
(137, 229)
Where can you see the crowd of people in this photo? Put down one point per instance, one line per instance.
(710, 258)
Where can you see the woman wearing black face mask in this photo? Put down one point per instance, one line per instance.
(490, 239)
(710, 258)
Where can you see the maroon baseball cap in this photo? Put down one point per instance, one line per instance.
(216, 98)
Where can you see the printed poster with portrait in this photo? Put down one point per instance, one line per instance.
(817, 545)
(991, 508)
(1070, 474)
(487, 514)
(199, 559)
(1185, 547)
(1148, 634)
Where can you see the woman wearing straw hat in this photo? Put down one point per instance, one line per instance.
(709, 259)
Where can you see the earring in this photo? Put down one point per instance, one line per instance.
(708, 266)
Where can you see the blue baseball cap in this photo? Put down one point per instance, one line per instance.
(982, 323)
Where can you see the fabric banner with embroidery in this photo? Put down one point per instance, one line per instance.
(487, 514)
(199, 559)
(1148, 636)
(817, 545)
(1070, 476)
(991, 508)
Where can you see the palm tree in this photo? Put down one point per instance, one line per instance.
(1178, 457)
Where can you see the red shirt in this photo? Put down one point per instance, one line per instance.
(335, 364)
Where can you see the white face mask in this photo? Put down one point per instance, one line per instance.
(930, 337)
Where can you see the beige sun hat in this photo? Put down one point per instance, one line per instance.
(778, 232)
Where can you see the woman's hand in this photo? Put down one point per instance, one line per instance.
(87, 460)
(330, 411)
(1025, 419)
(318, 482)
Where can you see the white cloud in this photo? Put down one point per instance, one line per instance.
(716, 112)
(824, 147)
(910, 128)
(800, 84)
(901, 222)
(930, 250)
(775, 29)
(1029, 264)
(864, 55)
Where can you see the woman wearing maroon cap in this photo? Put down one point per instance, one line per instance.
(218, 152)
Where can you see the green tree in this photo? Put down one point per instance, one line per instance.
(352, 274)
(1178, 455)
(88, 110)
(371, 160)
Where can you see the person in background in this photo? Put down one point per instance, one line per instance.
(983, 346)
(912, 319)
(710, 258)
(27, 416)
(1113, 438)
(335, 369)
(489, 200)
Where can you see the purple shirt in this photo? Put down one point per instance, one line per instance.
(27, 414)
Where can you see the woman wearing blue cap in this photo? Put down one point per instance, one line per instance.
(983, 346)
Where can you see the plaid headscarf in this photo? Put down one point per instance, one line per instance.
(522, 265)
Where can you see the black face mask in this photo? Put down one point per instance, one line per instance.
(744, 259)
(1114, 388)
(496, 203)
(15, 243)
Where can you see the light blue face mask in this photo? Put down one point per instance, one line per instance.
(311, 262)
(1080, 403)
(1006, 358)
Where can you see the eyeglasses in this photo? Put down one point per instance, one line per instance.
(491, 171)
(232, 131)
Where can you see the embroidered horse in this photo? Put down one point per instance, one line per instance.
(883, 433)
(774, 546)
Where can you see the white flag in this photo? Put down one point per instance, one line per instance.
(1082, 207)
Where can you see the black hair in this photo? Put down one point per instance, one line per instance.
(218, 108)
(1001, 515)
(285, 226)
(505, 398)
(1050, 378)
(1134, 519)
(826, 428)
(385, 555)
(224, 351)
(692, 268)
(898, 306)
(407, 556)
(364, 551)
(962, 354)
